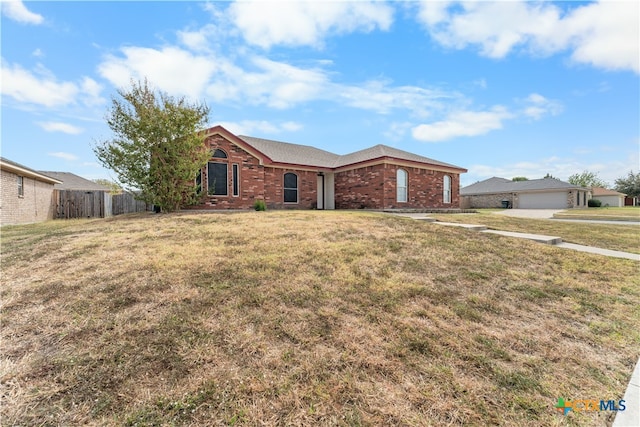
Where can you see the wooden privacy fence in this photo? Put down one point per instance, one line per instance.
(126, 203)
(93, 204)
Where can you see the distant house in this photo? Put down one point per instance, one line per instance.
(545, 193)
(244, 169)
(25, 194)
(70, 181)
(608, 197)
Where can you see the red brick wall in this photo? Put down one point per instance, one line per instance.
(374, 187)
(274, 194)
(361, 188)
(251, 177)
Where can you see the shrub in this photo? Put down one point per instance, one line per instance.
(260, 205)
(594, 203)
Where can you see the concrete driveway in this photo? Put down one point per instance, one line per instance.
(530, 213)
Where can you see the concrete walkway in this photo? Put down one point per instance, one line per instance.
(549, 240)
(630, 417)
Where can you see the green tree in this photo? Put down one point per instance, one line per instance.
(629, 185)
(519, 178)
(587, 179)
(114, 186)
(548, 175)
(157, 147)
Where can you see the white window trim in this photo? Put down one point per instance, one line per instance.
(405, 186)
(289, 188)
(446, 189)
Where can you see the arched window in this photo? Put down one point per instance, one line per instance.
(290, 188)
(446, 189)
(401, 185)
(219, 154)
(217, 175)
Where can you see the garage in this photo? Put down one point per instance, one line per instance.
(545, 200)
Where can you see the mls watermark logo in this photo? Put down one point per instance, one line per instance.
(589, 405)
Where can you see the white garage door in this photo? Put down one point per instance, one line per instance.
(551, 200)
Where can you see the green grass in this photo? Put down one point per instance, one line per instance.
(607, 236)
(305, 318)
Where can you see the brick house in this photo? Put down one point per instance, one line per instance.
(25, 194)
(244, 169)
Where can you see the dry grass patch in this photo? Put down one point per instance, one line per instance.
(629, 213)
(607, 236)
(305, 318)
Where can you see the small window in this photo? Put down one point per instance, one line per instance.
(446, 189)
(20, 186)
(577, 198)
(290, 188)
(235, 177)
(401, 185)
(199, 182)
(219, 154)
(217, 179)
(584, 199)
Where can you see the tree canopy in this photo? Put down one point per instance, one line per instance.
(519, 178)
(629, 185)
(587, 179)
(157, 148)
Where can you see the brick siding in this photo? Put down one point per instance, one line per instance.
(371, 187)
(374, 187)
(34, 206)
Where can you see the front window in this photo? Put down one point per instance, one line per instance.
(290, 188)
(401, 185)
(446, 189)
(217, 175)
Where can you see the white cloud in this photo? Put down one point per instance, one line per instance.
(537, 106)
(17, 11)
(603, 34)
(24, 86)
(60, 127)
(382, 97)
(63, 155)
(171, 69)
(41, 87)
(462, 123)
(249, 127)
(306, 23)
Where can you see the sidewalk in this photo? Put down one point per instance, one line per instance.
(630, 417)
(549, 240)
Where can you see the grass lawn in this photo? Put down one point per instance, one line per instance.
(306, 318)
(628, 213)
(607, 236)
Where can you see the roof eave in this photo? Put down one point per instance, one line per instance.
(18, 170)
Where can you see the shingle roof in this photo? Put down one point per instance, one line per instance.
(284, 152)
(599, 191)
(502, 185)
(72, 181)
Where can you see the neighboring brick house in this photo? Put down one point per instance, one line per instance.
(545, 193)
(25, 194)
(244, 169)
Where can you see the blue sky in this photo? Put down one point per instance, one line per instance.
(502, 89)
